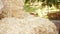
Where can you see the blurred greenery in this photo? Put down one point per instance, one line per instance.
(28, 8)
(33, 5)
(48, 2)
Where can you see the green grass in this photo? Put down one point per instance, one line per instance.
(28, 8)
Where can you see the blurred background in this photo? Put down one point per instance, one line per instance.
(49, 9)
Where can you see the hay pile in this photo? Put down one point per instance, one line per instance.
(27, 26)
(13, 8)
(13, 24)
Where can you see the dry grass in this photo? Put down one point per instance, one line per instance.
(27, 26)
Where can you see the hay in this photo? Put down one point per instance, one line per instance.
(27, 26)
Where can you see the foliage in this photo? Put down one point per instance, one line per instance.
(40, 5)
(29, 9)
